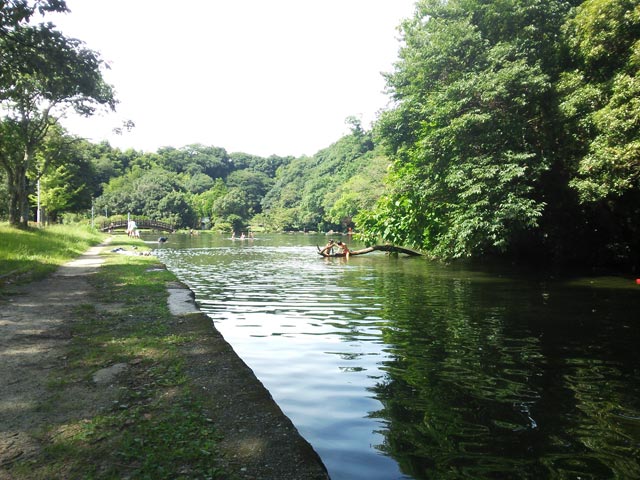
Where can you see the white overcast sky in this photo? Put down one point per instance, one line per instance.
(258, 76)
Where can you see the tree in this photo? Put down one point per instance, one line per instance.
(43, 74)
(176, 209)
(107, 162)
(198, 183)
(57, 190)
(203, 202)
(358, 193)
(252, 185)
(268, 166)
(4, 197)
(63, 173)
(232, 204)
(305, 188)
(212, 161)
(15, 12)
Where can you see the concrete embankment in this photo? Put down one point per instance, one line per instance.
(260, 439)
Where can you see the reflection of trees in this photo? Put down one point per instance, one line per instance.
(605, 421)
(469, 390)
(451, 380)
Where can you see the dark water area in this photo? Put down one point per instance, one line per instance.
(400, 368)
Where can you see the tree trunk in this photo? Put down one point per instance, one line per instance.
(23, 199)
(19, 194)
(382, 248)
(14, 198)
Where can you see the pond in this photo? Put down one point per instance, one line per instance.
(401, 368)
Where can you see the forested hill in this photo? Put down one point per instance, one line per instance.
(514, 130)
(327, 190)
(200, 186)
(239, 191)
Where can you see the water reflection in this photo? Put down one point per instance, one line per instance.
(397, 368)
(495, 378)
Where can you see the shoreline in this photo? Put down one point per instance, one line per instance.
(265, 443)
(72, 380)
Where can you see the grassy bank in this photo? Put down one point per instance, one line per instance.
(27, 255)
(151, 423)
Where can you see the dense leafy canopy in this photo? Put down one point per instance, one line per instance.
(274, 192)
(515, 128)
(470, 131)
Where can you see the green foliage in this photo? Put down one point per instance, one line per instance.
(203, 202)
(154, 193)
(212, 161)
(268, 166)
(612, 166)
(306, 190)
(233, 204)
(601, 110)
(252, 186)
(468, 133)
(182, 186)
(605, 35)
(360, 192)
(65, 174)
(198, 183)
(601, 34)
(57, 190)
(514, 129)
(176, 209)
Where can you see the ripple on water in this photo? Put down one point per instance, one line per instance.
(450, 373)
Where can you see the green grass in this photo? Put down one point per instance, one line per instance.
(32, 254)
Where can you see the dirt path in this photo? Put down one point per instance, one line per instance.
(32, 341)
(259, 441)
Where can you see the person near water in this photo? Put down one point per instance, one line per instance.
(344, 249)
(328, 248)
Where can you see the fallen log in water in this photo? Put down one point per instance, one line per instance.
(381, 248)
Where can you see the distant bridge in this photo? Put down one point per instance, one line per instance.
(148, 224)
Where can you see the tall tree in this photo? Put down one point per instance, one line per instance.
(212, 161)
(305, 189)
(43, 74)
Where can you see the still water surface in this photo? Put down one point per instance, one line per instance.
(398, 368)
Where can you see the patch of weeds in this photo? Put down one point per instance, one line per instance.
(57, 383)
(169, 374)
(152, 431)
(171, 441)
(85, 309)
